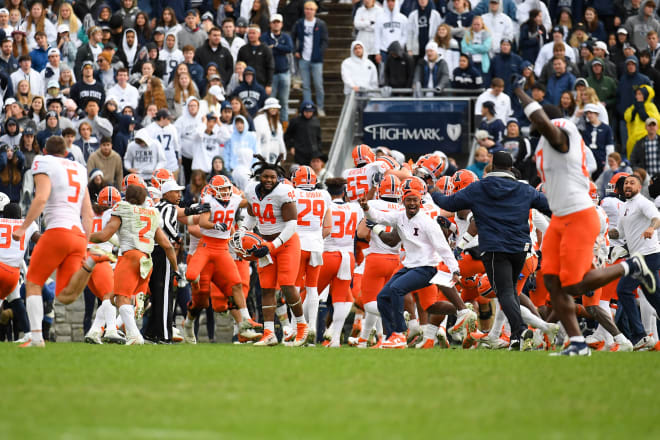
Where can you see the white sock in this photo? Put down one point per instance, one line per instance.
(579, 339)
(342, 309)
(648, 315)
(498, 321)
(531, 319)
(35, 310)
(127, 313)
(99, 319)
(282, 315)
(371, 315)
(620, 338)
(245, 314)
(443, 324)
(430, 331)
(119, 321)
(311, 306)
(110, 315)
(300, 319)
(269, 325)
(379, 326)
(413, 325)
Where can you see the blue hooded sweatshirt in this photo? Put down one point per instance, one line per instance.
(628, 83)
(500, 205)
(245, 140)
(253, 95)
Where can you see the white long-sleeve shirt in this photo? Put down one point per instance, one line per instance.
(365, 24)
(128, 96)
(168, 137)
(421, 236)
(635, 217)
(391, 26)
(145, 159)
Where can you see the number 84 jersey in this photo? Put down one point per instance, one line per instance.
(268, 210)
(221, 214)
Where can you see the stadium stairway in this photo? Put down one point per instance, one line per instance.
(340, 29)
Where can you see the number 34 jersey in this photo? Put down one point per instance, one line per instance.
(345, 219)
(68, 180)
(268, 210)
(221, 214)
(138, 227)
(312, 206)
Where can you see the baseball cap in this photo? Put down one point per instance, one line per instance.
(597, 61)
(580, 27)
(207, 16)
(601, 45)
(53, 51)
(276, 17)
(211, 115)
(159, 30)
(558, 29)
(217, 92)
(629, 46)
(163, 113)
(241, 22)
(307, 106)
(215, 76)
(53, 84)
(622, 30)
(51, 114)
(170, 185)
(224, 105)
(650, 121)
(10, 101)
(4, 11)
(191, 11)
(593, 108)
(87, 63)
(502, 159)
(581, 82)
(29, 131)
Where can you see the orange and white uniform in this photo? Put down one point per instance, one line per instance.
(63, 245)
(101, 282)
(338, 257)
(283, 271)
(136, 243)
(600, 251)
(312, 207)
(212, 253)
(12, 253)
(359, 181)
(574, 226)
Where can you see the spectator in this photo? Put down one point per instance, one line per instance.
(485, 139)
(162, 130)
(645, 68)
(637, 117)
(598, 137)
(646, 152)
(303, 136)
(251, 92)
(431, 71)
(605, 86)
(493, 125)
(595, 27)
(639, 26)
(39, 54)
(66, 80)
(19, 47)
(178, 6)
(560, 81)
(129, 49)
(600, 51)
(144, 155)
(466, 76)
(310, 53)
(108, 162)
(142, 28)
(481, 159)
(547, 51)
(519, 147)
(124, 133)
(259, 57)
(501, 100)
(460, 19)
(357, 71)
(587, 95)
(653, 47)
(27, 73)
(95, 183)
(187, 125)
(196, 71)
(74, 152)
(281, 45)
(558, 51)
(218, 167)
(270, 137)
(87, 141)
(390, 26)
(193, 191)
(12, 163)
(260, 15)
(506, 63)
(29, 146)
(212, 141)
(533, 35)
(629, 82)
(37, 111)
(399, 67)
(238, 108)
(122, 92)
(499, 24)
(318, 165)
(578, 37)
(171, 55)
(88, 52)
(190, 33)
(567, 104)
(422, 26)
(12, 134)
(448, 47)
(229, 38)
(154, 95)
(476, 42)
(105, 73)
(241, 140)
(87, 89)
(8, 62)
(213, 51)
(52, 128)
(365, 20)
(35, 21)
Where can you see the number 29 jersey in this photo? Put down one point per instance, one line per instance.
(221, 214)
(312, 206)
(68, 180)
(268, 210)
(138, 227)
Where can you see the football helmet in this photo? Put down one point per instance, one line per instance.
(389, 187)
(362, 155)
(304, 177)
(108, 197)
(221, 187)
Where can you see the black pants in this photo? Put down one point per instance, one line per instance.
(503, 270)
(187, 168)
(159, 326)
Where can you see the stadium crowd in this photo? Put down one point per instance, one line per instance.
(189, 98)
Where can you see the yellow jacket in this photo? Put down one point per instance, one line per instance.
(635, 125)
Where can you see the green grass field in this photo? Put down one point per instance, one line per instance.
(76, 391)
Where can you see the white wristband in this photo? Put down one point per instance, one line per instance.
(531, 108)
(378, 229)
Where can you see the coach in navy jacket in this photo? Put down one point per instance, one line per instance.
(500, 205)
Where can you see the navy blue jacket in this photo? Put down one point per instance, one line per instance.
(281, 46)
(503, 66)
(500, 206)
(39, 58)
(180, 7)
(320, 39)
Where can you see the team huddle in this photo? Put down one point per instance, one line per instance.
(396, 243)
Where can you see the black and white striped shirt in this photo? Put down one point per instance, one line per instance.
(168, 214)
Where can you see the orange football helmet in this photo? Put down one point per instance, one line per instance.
(132, 179)
(390, 162)
(159, 176)
(208, 191)
(362, 155)
(304, 177)
(462, 179)
(611, 185)
(413, 184)
(445, 185)
(108, 197)
(222, 187)
(389, 187)
(430, 166)
(242, 241)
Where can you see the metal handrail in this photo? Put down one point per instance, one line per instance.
(343, 137)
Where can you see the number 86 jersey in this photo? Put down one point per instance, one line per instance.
(221, 214)
(268, 210)
(68, 180)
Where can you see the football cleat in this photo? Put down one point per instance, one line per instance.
(471, 340)
(311, 338)
(413, 335)
(189, 332)
(595, 343)
(267, 340)
(396, 340)
(527, 343)
(176, 335)
(135, 340)
(246, 330)
(33, 343)
(465, 318)
(640, 271)
(288, 334)
(574, 349)
(302, 330)
(626, 346)
(111, 336)
(357, 342)
(93, 337)
(644, 344)
(140, 298)
(378, 344)
(553, 330)
(443, 342)
(26, 337)
(99, 255)
(426, 344)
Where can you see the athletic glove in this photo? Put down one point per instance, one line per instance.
(259, 252)
(446, 224)
(458, 252)
(376, 178)
(197, 209)
(516, 80)
(370, 224)
(220, 227)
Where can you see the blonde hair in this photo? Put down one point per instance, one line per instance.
(73, 19)
(469, 34)
(311, 3)
(480, 150)
(23, 99)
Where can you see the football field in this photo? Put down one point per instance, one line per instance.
(212, 391)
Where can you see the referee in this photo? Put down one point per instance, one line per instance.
(500, 206)
(159, 326)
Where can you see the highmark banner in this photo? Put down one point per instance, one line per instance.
(416, 127)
